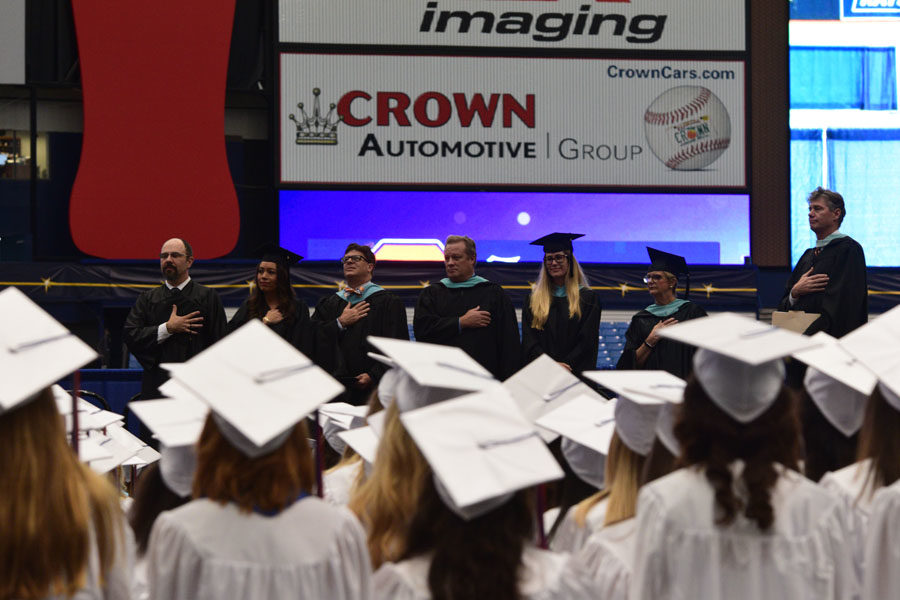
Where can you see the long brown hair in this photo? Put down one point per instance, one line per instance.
(880, 442)
(623, 481)
(268, 483)
(480, 558)
(385, 501)
(151, 497)
(51, 507)
(287, 300)
(711, 439)
(542, 294)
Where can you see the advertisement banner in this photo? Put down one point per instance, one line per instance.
(598, 24)
(510, 121)
(870, 9)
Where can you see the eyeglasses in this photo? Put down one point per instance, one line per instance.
(556, 258)
(353, 258)
(653, 277)
(165, 255)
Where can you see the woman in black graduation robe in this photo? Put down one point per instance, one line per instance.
(568, 336)
(644, 349)
(272, 300)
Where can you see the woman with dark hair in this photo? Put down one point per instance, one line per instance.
(472, 537)
(561, 317)
(738, 521)
(273, 301)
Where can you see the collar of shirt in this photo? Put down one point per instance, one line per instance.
(366, 290)
(830, 238)
(180, 286)
(470, 282)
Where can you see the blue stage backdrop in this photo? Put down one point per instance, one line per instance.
(712, 229)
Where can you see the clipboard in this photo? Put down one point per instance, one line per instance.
(794, 320)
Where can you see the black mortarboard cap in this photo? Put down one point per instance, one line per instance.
(276, 254)
(557, 242)
(674, 264)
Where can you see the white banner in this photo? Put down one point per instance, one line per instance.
(12, 41)
(510, 121)
(601, 24)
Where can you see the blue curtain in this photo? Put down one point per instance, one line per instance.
(862, 78)
(806, 175)
(862, 166)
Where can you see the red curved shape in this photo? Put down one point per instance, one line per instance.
(153, 163)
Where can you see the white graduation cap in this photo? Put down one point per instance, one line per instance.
(588, 464)
(481, 450)
(174, 422)
(92, 449)
(120, 443)
(336, 417)
(144, 457)
(363, 440)
(436, 366)
(838, 383)
(258, 386)
(543, 385)
(642, 395)
(744, 391)
(665, 428)
(35, 349)
(740, 338)
(584, 420)
(875, 346)
(177, 466)
(376, 422)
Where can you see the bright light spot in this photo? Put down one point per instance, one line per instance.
(523, 218)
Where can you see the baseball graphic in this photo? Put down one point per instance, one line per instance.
(687, 127)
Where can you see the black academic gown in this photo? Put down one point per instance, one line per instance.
(344, 352)
(496, 347)
(844, 304)
(298, 330)
(152, 308)
(572, 341)
(668, 355)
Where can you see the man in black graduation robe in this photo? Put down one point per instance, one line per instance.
(156, 334)
(469, 312)
(830, 278)
(348, 317)
(644, 349)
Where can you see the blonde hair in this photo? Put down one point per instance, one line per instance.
(623, 481)
(542, 293)
(53, 507)
(387, 501)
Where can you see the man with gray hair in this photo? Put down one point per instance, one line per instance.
(830, 278)
(173, 322)
(469, 312)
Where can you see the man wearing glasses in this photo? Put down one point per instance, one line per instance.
(173, 322)
(356, 311)
(644, 349)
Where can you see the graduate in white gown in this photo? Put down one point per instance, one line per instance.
(629, 445)
(62, 531)
(739, 522)
(882, 549)
(607, 557)
(252, 529)
(472, 535)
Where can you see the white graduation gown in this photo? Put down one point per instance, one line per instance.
(570, 536)
(338, 483)
(545, 576)
(118, 584)
(850, 485)
(204, 550)
(681, 553)
(607, 558)
(882, 550)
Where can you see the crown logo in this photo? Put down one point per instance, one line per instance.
(316, 129)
